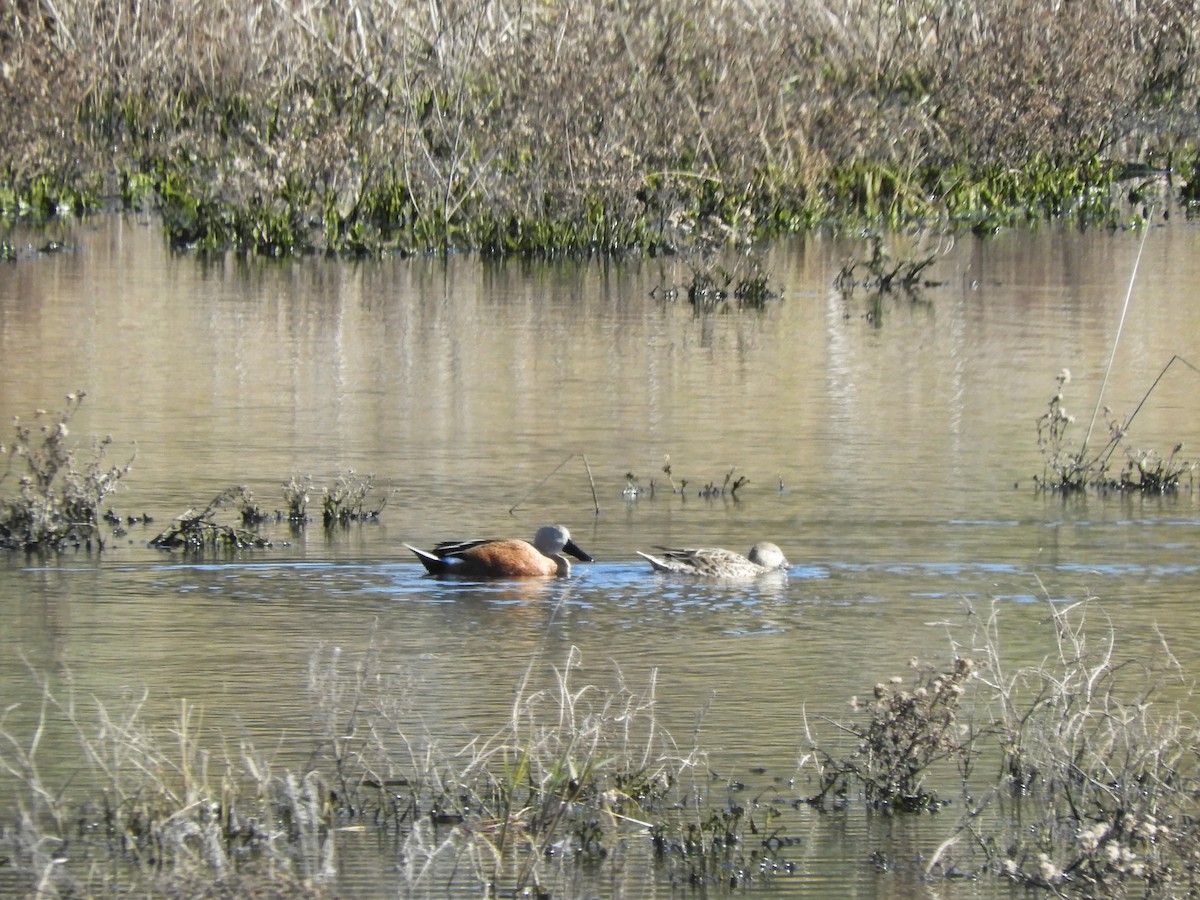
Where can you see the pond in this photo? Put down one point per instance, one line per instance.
(889, 445)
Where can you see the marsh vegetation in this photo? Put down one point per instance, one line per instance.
(52, 489)
(365, 126)
(1072, 465)
(1075, 775)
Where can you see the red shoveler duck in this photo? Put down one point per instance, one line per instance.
(714, 562)
(544, 558)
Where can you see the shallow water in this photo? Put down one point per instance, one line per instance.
(890, 451)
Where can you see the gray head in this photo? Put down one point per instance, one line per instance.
(768, 555)
(554, 540)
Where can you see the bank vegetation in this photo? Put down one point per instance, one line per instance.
(367, 126)
(1075, 776)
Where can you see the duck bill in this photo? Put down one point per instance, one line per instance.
(573, 548)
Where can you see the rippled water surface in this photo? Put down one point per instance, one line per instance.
(890, 449)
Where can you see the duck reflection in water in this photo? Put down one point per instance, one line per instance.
(714, 562)
(544, 558)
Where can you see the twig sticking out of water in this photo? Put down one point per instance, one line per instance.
(591, 483)
(710, 490)
(1128, 422)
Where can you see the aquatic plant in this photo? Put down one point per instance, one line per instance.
(728, 487)
(1065, 469)
(1077, 775)
(579, 768)
(712, 285)
(633, 488)
(295, 498)
(58, 495)
(1098, 769)
(171, 809)
(344, 500)
(1070, 467)
(199, 531)
(1095, 770)
(884, 273)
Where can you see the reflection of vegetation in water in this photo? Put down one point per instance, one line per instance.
(590, 126)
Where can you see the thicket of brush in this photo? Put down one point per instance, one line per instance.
(366, 125)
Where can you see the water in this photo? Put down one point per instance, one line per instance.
(890, 450)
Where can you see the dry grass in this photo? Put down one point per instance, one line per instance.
(178, 808)
(1078, 774)
(498, 124)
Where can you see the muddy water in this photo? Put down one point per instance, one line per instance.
(890, 449)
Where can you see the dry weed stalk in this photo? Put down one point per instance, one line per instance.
(568, 774)
(163, 804)
(58, 498)
(1070, 469)
(1098, 766)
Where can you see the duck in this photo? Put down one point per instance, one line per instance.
(488, 558)
(715, 562)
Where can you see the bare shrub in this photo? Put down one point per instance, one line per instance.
(907, 733)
